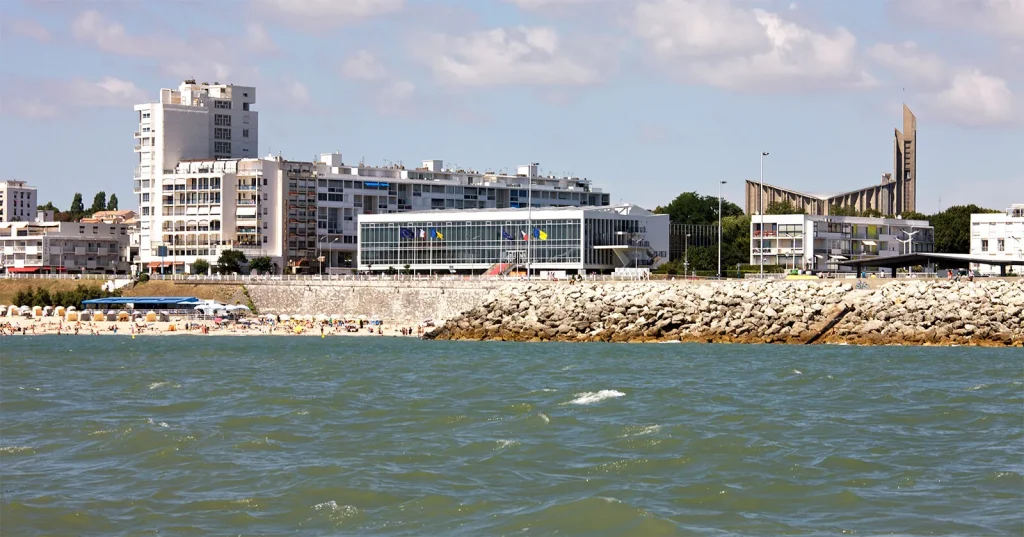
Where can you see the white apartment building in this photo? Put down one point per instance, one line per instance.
(17, 201)
(196, 122)
(818, 243)
(63, 247)
(998, 236)
(344, 192)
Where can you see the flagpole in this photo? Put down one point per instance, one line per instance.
(529, 223)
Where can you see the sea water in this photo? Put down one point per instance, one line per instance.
(185, 435)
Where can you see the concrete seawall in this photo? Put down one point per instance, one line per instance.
(411, 301)
(919, 312)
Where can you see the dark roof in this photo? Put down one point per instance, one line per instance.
(142, 300)
(925, 257)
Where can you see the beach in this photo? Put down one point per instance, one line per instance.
(21, 326)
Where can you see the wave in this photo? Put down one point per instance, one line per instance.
(586, 398)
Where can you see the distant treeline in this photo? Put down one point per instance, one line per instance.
(42, 297)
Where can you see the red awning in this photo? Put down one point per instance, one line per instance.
(157, 264)
(23, 269)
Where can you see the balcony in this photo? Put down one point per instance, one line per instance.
(246, 187)
(245, 202)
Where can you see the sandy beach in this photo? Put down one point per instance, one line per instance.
(20, 326)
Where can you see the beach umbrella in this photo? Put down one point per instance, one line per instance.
(321, 317)
(285, 317)
(270, 316)
(72, 308)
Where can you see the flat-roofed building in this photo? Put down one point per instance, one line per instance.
(17, 201)
(999, 236)
(559, 240)
(819, 243)
(64, 247)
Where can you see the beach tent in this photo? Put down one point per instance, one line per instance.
(321, 317)
(71, 316)
(72, 308)
(285, 317)
(150, 316)
(123, 316)
(59, 311)
(270, 317)
(98, 317)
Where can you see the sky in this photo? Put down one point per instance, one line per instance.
(646, 98)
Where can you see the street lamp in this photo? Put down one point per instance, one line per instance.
(760, 196)
(720, 183)
(907, 246)
(686, 255)
(330, 257)
(319, 251)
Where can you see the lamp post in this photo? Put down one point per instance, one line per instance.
(686, 255)
(907, 246)
(330, 257)
(720, 183)
(319, 252)
(760, 196)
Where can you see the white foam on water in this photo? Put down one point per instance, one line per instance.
(978, 387)
(544, 417)
(102, 431)
(609, 499)
(797, 372)
(502, 444)
(10, 450)
(586, 398)
(157, 385)
(157, 423)
(650, 429)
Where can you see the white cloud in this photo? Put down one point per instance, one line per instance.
(717, 43)
(973, 99)
(523, 55)
(363, 66)
(25, 28)
(49, 96)
(92, 27)
(999, 18)
(912, 64)
(328, 12)
(298, 93)
(532, 5)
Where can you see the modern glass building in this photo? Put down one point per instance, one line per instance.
(501, 241)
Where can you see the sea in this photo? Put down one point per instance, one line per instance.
(193, 435)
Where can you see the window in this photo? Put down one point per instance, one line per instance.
(222, 120)
(222, 147)
(984, 245)
(245, 106)
(226, 105)
(1001, 245)
(145, 115)
(222, 134)
(264, 181)
(245, 133)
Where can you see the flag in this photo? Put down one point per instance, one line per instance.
(505, 236)
(540, 234)
(423, 233)
(407, 233)
(435, 234)
(525, 236)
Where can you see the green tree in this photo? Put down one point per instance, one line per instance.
(914, 216)
(76, 204)
(836, 210)
(201, 266)
(693, 208)
(99, 202)
(230, 261)
(112, 203)
(953, 228)
(783, 207)
(735, 242)
(49, 207)
(261, 265)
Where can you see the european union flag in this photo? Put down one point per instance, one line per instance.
(407, 233)
(505, 236)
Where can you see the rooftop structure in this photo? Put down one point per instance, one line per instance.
(17, 201)
(64, 247)
(895, 195)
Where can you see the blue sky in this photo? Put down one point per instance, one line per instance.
(647, 98)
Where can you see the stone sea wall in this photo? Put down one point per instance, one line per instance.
(401, 301)
(923, 312)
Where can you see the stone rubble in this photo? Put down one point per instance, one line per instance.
(917, 312)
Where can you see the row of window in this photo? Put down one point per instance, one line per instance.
(1000, 245)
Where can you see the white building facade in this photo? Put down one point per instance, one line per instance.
(18, 201)
(818, 243)
(196, 122)
(344, 192)
(999, 236)
(557, 240)
(64, 247)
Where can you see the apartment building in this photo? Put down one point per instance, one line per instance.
(818, 243)
(17, 201)
(999, 236)
(64, 247)
(345, 191)
(195, 122)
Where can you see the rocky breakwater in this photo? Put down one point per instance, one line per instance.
(983, 312)
(797, 312)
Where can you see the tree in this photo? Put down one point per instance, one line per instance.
(230, 261)
(76, 204)
(99, 202)
(836, 210)
(693, 208)
(112, 203)
(783, 207)
(201, 266)
(735, 242)
(49, 207)
(914, 216)
(261, 264)
(953, 228)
